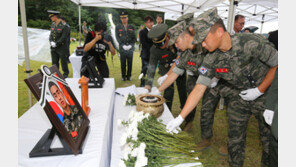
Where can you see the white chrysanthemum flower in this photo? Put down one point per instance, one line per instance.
(146, 115)
(141, 161)
(119, 123)
(124, 100)
(123, 139)
(121, 163)
(126, 151)
(135, 152)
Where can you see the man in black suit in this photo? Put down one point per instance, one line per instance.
(146, 45)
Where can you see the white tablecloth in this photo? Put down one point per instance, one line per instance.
(97, 145)
(76, 64)
(122, 112)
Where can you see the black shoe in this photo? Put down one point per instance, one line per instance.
(129, 78)
(123, 79)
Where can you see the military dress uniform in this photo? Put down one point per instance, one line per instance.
(164, 58)
(59, 35)
(126, 36)
(244, 66)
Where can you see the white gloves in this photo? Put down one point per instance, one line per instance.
(250, 94)
(156, 92)
(53, 44)
(268, 116)
(127, 47)
(173, 125)
(162, 79)
(141, 76)
(214, 82)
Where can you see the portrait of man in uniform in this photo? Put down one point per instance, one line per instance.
(68, 113)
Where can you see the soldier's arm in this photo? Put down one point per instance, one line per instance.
(169, 80)
(268, 79)
(269, 55)
(193, 99)
(63, 38)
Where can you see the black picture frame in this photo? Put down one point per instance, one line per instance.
(72, 145)
(95, 79)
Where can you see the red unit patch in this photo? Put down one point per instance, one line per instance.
(59, 29)
(222, 70)
(164, 56)
(191, 63)
(120, 29)
(130, 29)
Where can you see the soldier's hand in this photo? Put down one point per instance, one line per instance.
(53, 44)
(250, 94)
(173, 125)
(141, 76)
(268, 116)
(214, 82)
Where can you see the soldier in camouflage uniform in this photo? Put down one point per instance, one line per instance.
(72, 118)
(191, 62)
(126, 37)
(247, 62)
(164, 57)
(58, 41)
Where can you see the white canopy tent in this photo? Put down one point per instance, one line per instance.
(255, 11)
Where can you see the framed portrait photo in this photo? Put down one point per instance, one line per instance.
(68, 119)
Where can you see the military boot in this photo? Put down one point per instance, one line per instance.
(223, 150)
(204, 144)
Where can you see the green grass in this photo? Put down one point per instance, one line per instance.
(211, 156)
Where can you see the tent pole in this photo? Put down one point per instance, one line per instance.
(231, 12)
(26, 44)
(262, 22)
(79, 23)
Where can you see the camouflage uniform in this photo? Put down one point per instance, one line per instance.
(59, 35)
(189, 62)
(73, 121)
(244, 66)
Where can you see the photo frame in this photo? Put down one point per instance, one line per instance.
(89, 68)
(63, 110)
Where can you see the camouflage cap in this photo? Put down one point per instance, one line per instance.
(203, 23)
(185, 17)
(175, 31)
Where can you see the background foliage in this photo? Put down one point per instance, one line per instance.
(37, 16)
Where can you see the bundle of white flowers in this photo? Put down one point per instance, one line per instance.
(146, 142)
(129, 100)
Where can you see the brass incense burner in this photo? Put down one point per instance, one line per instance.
(151, 104)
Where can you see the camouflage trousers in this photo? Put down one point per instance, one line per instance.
(239, 113)
(191, 81)
(209, 104)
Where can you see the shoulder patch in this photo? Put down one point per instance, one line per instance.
(202, 70)
(177, 62)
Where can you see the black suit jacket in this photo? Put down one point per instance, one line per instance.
(146, 44)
